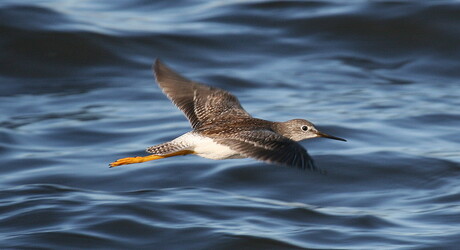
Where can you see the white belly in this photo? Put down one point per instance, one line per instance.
(207, 147)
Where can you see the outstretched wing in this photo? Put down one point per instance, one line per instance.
(268, 146)
(201, 104)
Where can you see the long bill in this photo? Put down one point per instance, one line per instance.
(321, 134)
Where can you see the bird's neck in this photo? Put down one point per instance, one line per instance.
(279, 128)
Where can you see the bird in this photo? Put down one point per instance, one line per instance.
(222, 129)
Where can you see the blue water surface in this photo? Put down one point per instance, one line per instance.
(77, 92)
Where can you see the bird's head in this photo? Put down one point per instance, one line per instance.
(299, 129)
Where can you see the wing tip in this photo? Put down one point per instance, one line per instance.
(308, 164)
(165, 74)
(156, 67)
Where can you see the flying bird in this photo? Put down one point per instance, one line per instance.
(222, 129)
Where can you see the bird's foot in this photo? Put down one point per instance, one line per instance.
(137, 159)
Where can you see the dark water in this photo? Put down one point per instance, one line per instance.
(77, 92)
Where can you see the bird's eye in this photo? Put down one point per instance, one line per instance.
(304, 128)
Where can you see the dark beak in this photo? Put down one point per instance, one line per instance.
(321, 134)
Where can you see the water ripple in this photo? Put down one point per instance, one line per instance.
(77, 92)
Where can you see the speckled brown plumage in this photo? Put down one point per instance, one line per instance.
(217, 114)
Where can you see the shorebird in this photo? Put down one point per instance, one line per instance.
(222, 129)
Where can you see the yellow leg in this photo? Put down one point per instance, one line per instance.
(139, 159)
